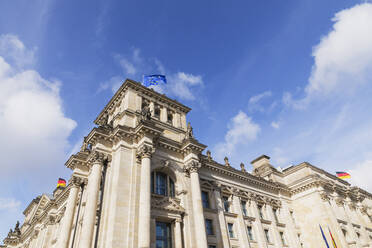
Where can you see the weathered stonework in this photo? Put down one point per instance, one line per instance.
(115, 199)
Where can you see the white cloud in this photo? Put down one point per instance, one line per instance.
(254, 103)
(12, 49)
(275, 124)
(361, 175)
(343, 58)
(31, 114)
(9, 204)
(179, 84)
(241, 130)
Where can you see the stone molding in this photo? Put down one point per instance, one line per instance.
(96, 157)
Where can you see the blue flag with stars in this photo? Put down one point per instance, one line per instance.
(154, 80)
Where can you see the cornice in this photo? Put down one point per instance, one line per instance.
(144, 91)
(252, 180)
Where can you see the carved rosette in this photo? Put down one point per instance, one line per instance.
(145, 151)
(192, 167)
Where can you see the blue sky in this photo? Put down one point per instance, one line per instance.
(290, 79)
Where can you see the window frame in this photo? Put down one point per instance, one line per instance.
(250, 233)
(226, 204)
(170, 185)
(267, 235)
(209, 229)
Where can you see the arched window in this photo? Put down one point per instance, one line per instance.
(162, 184)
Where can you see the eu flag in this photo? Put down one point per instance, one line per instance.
(153, 80)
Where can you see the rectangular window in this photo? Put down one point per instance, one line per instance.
(260, 211)
(205, 199)
(230, 226)
(267, 235)
(250, 233)
(209, 227)
(163, 235)
(244, 208)
(171, 188)
(282, 238)
(226, 204)
(276, 215)
(212, 246)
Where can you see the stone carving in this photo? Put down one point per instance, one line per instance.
(189, 131)
(192, 166)
(242, 167)
(167, 204)
(145, 151)
(77, 181)
(226, 161)
(339, 201)
(324, 196)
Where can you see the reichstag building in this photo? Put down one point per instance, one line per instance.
(141, 179)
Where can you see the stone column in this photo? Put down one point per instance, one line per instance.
(337, 232)
(90, 212)
(260, 235)
(276, 235)
(363, 224)
(350, 220)
(200, 234)
(221, 217)
(144, 237)
(242, 228)
(65, 232)
(177, 233)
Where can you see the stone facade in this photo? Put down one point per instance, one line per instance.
(141, 180)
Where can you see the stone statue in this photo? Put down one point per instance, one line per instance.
(189, 131)
(146, 113)
(242, 167)
(209, 155)
(226, 161)
(16, 229)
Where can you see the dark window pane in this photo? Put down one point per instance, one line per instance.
(209, 226)
(163, 235)
(244, 208)
(205, 199)
(226, 204)
(231, 230)
(161, 184)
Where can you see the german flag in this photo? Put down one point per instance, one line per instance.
(333, 240)
(61, 183)
(342, 174)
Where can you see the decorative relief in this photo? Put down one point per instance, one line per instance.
(167, 204)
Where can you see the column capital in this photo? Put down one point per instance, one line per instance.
(325, 196)
(96, 157)
(76, 181)
(192, 166)
(145, 151)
